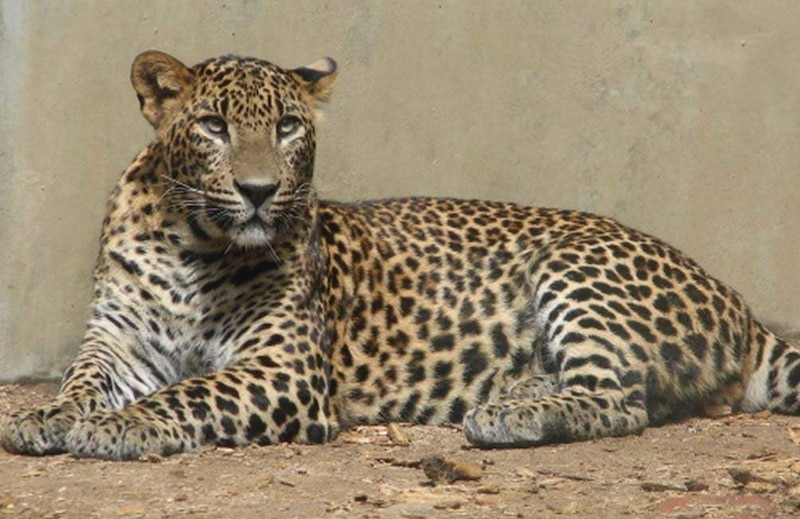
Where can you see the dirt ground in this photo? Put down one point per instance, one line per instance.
(734, 466)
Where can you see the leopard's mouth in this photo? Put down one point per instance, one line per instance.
(254, 232)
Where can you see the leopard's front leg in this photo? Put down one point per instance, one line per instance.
(102, 376)
(256, 401)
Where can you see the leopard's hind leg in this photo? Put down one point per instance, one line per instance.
(533, 387)
(589, 401)
(634, 338)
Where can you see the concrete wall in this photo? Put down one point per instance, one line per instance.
(679, 118)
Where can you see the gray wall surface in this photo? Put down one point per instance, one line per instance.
(678, 118)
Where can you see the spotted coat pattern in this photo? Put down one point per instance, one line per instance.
(231, 306)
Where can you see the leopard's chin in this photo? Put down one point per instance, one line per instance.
(252, 234)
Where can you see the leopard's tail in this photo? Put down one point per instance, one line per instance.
(774, 379)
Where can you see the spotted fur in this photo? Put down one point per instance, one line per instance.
(231, 306)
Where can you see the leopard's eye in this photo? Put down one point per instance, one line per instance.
(214, 125)
(287, 126)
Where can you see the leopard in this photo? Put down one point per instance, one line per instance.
(233, 306)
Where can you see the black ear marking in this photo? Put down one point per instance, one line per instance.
(317, 70)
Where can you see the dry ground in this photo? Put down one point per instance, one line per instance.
(735, 466)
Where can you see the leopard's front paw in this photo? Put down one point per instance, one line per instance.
(113, 435)
(39, 432)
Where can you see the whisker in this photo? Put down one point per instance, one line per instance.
(183, 185)
(274, 254)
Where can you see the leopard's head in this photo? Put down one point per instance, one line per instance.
(238, 141)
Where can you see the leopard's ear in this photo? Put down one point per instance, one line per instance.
(162, 84)
(318, 78)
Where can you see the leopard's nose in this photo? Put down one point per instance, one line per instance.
(255, 192)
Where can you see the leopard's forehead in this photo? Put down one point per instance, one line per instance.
(232, 68)
(246, 88)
